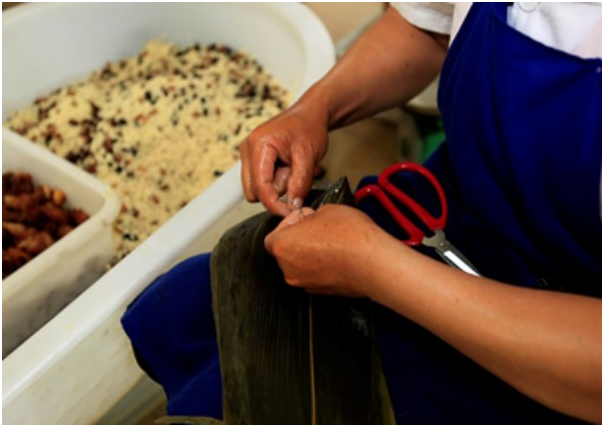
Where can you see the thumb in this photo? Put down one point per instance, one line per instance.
(291, 219)
(294, 217)
(299, 184)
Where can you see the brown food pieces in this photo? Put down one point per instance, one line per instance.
(33, 218)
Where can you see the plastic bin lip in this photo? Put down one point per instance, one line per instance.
(102, 218)
(117, 287)
(316, 44)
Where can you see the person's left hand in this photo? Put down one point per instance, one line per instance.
(325, 252)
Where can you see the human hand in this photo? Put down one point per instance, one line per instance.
(280, 157)
(327, 251)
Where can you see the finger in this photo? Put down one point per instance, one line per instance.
(246, 176)
(295, 217)
(318, 172)
(291, 219)
(280, 180)
(263, 175)
(272, 202)
(299, 182)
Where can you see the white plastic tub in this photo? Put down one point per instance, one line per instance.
(40, 289)
(80, 365)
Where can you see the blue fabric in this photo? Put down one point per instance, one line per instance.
(521, 169)
(524, 144)
(172, 330)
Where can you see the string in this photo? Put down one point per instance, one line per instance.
(313, 394)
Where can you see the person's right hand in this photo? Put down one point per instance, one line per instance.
(280, 157)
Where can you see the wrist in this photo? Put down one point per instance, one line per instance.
(326, 100)
(371, 262)
(314, 104)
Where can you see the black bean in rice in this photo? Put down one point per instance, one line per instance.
(158, 127)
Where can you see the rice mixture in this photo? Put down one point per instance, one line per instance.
(158, 127)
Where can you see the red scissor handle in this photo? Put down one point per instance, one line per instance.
(373, 190)
(384, 187)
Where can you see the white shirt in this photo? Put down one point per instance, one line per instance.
(575, 28)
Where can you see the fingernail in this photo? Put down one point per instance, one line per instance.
(296, 204)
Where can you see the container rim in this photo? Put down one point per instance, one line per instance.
(105, 215)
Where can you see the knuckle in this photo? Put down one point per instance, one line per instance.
(250, 197)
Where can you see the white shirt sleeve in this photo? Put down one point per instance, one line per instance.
(575, 28)
(430, 16)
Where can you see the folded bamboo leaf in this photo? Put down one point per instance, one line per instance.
(288, 357)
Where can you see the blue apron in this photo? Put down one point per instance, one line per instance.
(524, 129)
(521, 168)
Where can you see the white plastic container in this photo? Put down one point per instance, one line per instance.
(40, 289)
(80, 365)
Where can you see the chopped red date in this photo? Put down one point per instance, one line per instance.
(33, 218)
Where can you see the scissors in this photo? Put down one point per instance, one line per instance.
(384, 190)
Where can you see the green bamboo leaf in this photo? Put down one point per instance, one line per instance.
(287, 357)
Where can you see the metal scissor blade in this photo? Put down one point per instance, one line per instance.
(449, 253)
(453, 259)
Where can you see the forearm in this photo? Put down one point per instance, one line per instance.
(546, 344)
(390, 63)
